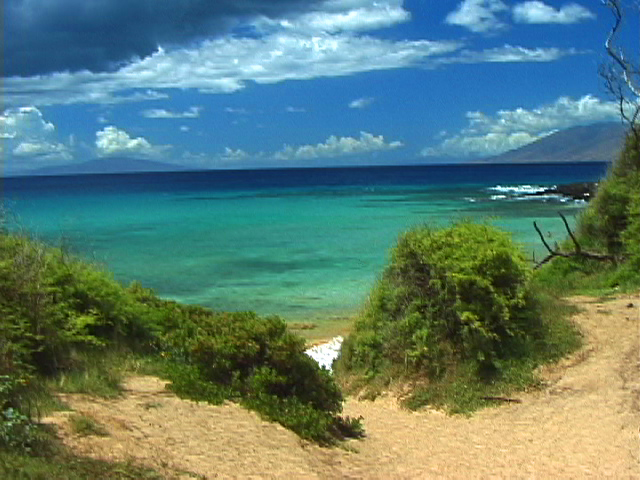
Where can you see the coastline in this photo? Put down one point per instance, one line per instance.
(243, 248)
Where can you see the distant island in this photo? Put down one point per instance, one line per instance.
(601, 142)
(108, 165)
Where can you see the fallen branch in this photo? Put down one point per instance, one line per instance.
(578, 252)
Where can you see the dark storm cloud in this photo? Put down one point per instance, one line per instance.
(43, 36)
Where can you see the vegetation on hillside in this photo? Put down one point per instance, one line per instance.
(459, 316)
(69, 325)
(609, 225)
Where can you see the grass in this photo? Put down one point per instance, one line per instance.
(51, 460)
(100, 376)
(84, 425)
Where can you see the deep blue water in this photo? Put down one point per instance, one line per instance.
(303, 243)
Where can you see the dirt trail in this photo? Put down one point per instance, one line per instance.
(584, 424)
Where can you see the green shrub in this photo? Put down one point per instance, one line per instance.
(52, 305)
(456, 293)
(64, 319)
(255, 360)
(454, 317)
(610, 223)
(17, 431)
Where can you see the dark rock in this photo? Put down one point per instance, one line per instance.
(577, 191)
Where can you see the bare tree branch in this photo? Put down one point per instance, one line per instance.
(544, 242)
(578, 249)
(573, 238)
(622, 76)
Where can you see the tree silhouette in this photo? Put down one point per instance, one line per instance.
(622, 74)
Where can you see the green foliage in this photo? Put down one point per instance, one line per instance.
(253, 359)
(454, 314)
(71, 322)
(52, 306)
(447, 294)
(93, 373)
(611, 223)
(16, 430)
(565, 276)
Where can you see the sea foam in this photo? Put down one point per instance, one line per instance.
(520, 189)
(326, 353)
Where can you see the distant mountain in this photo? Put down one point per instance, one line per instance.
(601, 142)
(108, 165)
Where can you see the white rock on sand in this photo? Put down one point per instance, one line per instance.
(326, 353)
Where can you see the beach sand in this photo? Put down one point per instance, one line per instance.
(584, 423)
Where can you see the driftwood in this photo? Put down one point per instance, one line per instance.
(578, 249)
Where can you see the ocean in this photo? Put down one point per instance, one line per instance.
(306, 244)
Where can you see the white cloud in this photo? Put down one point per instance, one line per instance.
(33, 149)
(226, 64)
(26, 136)
(507, 54)
(338, 146)
(29, 121)
(113, 141)
(480, 145)
(229, 158)
(479, 16)
(361, 102)
(184, 128)
(234, 155)
(508, 129)
(362, 15)
(192, 112)
(539, 12)
(291, 109)
(329, 42)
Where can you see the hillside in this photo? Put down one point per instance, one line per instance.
(581, 423)
(600, 142)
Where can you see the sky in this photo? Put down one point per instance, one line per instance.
(297, 83)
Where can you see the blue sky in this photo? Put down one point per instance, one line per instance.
(290, 83)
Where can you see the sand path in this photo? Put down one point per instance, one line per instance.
(583, 424)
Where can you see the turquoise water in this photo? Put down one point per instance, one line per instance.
(304, 244)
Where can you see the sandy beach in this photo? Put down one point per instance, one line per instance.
(584, 423)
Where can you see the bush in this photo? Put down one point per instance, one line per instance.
(611, 223)
(52, 305)
(457, 293)
(455, 319)
(253, 359)
(17, 431)
(60, 317)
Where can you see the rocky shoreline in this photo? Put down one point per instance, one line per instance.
(577, 191)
